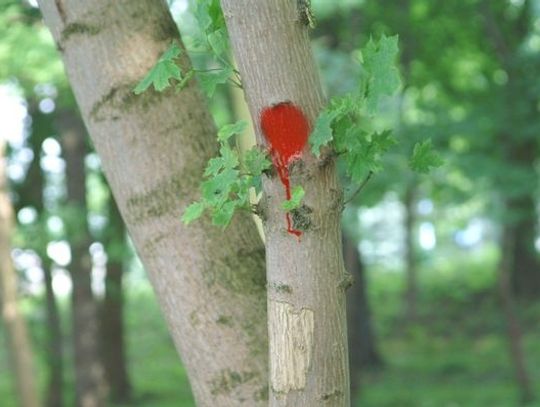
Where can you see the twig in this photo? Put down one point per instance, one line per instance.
(360, 188)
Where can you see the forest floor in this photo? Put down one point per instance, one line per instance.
(454, 355)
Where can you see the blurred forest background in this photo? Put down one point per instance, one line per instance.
(446, 306)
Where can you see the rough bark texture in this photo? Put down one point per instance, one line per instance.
(153, 147)
(306, 278)
(363, 353)
(113, 339)
(90, 386)
(18, 343)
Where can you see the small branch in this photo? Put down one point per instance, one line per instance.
(359, 189)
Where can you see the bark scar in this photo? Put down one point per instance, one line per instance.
(291, 346)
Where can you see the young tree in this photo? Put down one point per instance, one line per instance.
(306, 276)
(153, 148)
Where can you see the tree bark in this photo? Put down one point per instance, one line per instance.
(89, 374)
(18, 342)
(363, 352)
(306, 278)
(113, 340)
(154, 147)
(411, 267)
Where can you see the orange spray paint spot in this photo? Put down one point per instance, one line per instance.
(286, 129)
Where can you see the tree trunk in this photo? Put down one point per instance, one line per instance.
(18, 342)
(89, 374)
(363, 351)
(306, 276)
(512, 323)
(154, 147)
(411, 267)
(525, 267)
(113, 337)
(55, 348)
(31, 194)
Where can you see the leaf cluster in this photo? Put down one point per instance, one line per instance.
(228, 179)
(348, 124)
(213, 41)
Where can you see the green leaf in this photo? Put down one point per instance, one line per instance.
(209, 15)
(174, 51)
(424, 157)
(381, 74)
(164, 70)
(192, 212)
(384, 141)
(210, 80)
(322, 133)
(218, 41)
(202, 15)
(256, 161)
(230, 130)
(297, 194)
(222, 215)
(216, 14)
(214, 166)
(216, 190)
(230, 157)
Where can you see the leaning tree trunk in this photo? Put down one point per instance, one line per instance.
(306, 276)
(18, 343)
(113, 338)
(154, 147)
(90, 386)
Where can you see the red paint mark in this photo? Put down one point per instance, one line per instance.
(286, 129)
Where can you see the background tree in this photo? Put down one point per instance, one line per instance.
(17, 335)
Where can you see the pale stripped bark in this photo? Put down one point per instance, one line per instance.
(18, 344)
(306, 279)
(153, 147)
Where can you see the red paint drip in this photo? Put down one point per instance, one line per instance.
(286, 129)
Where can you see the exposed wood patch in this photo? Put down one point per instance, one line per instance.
(291, 346)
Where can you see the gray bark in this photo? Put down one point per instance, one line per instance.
(19, 348)
(153, 147)
(306, 278)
